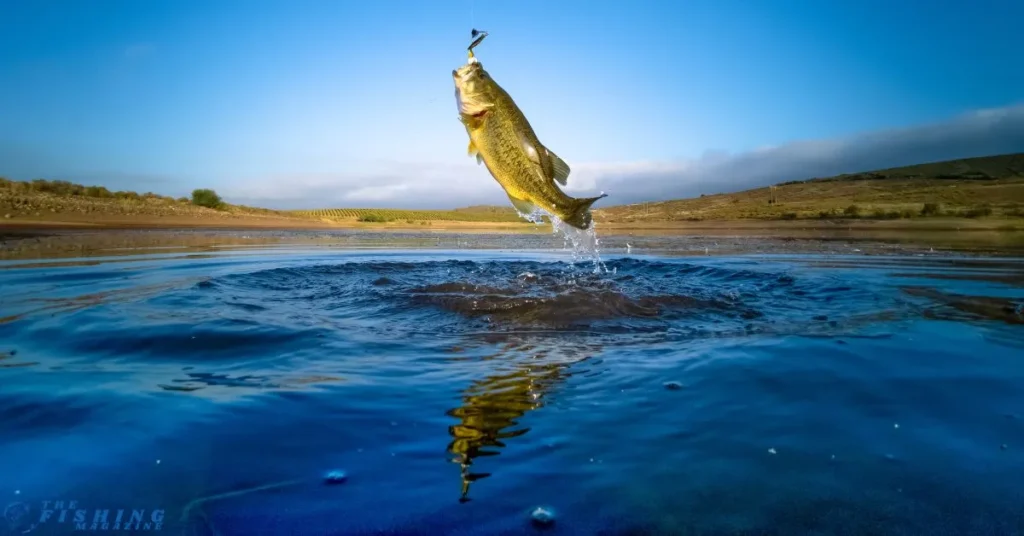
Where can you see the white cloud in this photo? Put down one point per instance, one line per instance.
(436, 185)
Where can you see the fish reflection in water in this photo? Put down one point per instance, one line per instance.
(491, 407)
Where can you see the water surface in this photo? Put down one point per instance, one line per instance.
(459, 388)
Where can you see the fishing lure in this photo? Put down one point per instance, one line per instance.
(479, 36)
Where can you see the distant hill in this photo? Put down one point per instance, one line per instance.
(972, 187)
(42, 200)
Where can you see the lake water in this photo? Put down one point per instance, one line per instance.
(673, 390)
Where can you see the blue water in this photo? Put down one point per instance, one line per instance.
(460, 390)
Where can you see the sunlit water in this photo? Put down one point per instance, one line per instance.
(461, 389)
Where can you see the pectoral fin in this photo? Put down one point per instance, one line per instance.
(524, 207)
(473, 151)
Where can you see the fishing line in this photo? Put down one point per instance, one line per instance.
(196, 502)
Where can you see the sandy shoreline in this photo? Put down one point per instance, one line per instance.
(25, 240)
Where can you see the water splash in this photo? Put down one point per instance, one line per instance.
(583, 244)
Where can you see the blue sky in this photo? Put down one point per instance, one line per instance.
(345, 103)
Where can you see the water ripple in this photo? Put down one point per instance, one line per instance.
(660, 395)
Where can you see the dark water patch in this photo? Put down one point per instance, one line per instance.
(199, 380)
(1014, 279)
(22, 415)
(961, 307)
(28, 304)
(225, 339)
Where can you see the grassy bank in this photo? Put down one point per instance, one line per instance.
(986, 190)
(376, 215)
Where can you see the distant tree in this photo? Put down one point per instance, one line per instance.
(852, 211)
(931, 209)
(206, 198)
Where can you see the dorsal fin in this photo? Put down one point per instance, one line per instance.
(559, 169)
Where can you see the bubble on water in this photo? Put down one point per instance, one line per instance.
(335, 477)
(528, 276)
(542, 516)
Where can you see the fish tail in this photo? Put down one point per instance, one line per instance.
(578, 214)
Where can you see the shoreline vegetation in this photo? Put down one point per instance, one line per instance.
(973, 193)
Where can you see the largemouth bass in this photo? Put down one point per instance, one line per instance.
(502, 139)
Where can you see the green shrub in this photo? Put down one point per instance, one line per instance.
(931, 209)
(852, 211)
(374, 217)
(206, 198)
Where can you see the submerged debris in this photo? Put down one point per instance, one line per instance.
(673, 386)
